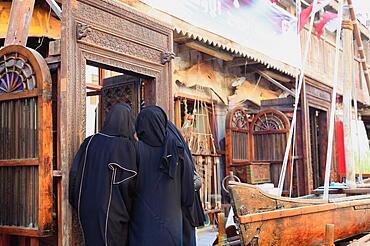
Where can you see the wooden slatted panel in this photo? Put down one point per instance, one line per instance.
(18, 129)
(19, 186)
(269, 147)
(19, 210)
(240, 145)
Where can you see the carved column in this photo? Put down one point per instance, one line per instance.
(347, 98)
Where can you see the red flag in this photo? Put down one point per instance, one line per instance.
(305, 15)
(326, 17)
(341, 159)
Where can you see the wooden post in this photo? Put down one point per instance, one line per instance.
(19, 22)
(347, 98)
(221, 228)
(358, 39)
(329, 235)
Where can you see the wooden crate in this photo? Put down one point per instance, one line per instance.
(258, 173)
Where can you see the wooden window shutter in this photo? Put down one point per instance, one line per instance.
(25, 143)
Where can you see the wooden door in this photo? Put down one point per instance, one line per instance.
(25, 143)
(121, 89)
(269, 130)
(237, 142)
(318, 144)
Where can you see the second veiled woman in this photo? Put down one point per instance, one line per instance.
(192, 216)
(164, 183)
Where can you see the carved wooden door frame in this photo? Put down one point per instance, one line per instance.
(110, 33)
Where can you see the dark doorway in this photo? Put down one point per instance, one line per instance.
(318, 144)
(106, 86)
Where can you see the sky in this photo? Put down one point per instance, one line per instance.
(362, 8)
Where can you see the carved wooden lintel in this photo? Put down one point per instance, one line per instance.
(167, 57)
(82, 30)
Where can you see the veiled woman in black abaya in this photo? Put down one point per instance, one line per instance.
(192, 216)
(102, 183)
(164, 183)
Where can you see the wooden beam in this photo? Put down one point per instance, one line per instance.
(276, 83)
(19, 22)
(329, 235)
(19, 162)
(347, 99)
(357, 34)
(209, 51)
(279, 77)
(221, 229)
(55, 7)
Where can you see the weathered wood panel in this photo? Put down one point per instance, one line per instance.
(320, 65)
(18, 127)
(271, 220)
(19, 196)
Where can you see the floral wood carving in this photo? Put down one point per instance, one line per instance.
(118, 22)
(121, 45)
(82, 30)
(167, 57)
(240, 119)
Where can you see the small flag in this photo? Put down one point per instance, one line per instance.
(327, 16)
(305, 15)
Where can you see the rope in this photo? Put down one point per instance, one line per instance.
(298, 92)
(333, 102)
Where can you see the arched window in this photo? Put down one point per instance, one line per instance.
(25, 143)
(269, 129)
(237, 139)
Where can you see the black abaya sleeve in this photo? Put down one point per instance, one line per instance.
(75, 174)
(187, 182)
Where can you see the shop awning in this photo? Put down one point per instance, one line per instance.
(42, 24)
(196, 33)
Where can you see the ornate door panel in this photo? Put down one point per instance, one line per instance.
(237, 143)
(121, 89)
(269, 129)
(25, 143)
(254, 151)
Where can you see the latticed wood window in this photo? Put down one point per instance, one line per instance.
(25, 143)
(255, 145)
(269, 130)
(237, 138)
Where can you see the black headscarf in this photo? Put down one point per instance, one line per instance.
(151, 126)
(119, 122)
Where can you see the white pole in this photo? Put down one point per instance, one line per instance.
(298, 92)
(333, 102)
(354, 92)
